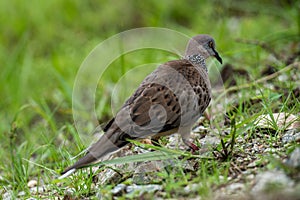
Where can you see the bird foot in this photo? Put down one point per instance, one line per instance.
(192, 146)
(207, 116)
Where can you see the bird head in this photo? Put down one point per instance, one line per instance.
(203, 45)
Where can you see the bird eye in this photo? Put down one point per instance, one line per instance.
(210, 44)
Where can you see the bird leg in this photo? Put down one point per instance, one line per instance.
(193, 147)
(206, 116)
(185, 135)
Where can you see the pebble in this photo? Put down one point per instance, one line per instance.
(174, 141)
(200, 129)
(234, 187)
(209, 141)
(22, 193)
(7, 195)
(250, 177)
(32, 183)
(143, 188)
(145, 173)
(255, 148)
(288, 138)
(191, 188)
(264, 180)
(283, 78)
(270, 150)
(294, 160)
(70, 191)
(240, 159)
(37, 190)
(253, 164)
(151, 166)
(108, 176)
(240, 140)
(292, 135)
(118, 189)
(221, 178)
(297, 137)
(140, 150)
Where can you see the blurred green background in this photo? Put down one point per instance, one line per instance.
(43, 44)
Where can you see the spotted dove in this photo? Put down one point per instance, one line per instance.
(169, 100)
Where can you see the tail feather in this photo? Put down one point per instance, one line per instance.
(108, 143)
(87, 159)
(67, 173)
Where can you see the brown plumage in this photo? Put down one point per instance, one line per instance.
(169, 100)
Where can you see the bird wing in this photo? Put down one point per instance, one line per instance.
(163, 99)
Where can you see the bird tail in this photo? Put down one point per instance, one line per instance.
(85, 160)
(108, 143)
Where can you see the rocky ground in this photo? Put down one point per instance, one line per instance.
(248, 178)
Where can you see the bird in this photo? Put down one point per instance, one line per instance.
(169, 100)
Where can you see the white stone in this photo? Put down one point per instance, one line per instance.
(32, 183)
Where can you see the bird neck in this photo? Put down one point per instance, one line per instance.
(198, 60)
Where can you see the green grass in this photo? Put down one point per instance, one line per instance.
(44, 44)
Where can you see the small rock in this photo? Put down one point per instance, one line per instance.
(32, 183)
(22, 193)
(283, 78)
(143, 178)
(140, 150)
(239, 159)
(250, 177)
(253, 164)
(189, 165)
(247, 172)
(234, 191)
(70, 191)
(271, 179)
(145, 173)
(209, 141)
(292, 135)
(291, 132)
(108, 176)
(294, 160)
(174, 141)
(8, 195)
(297, 137)
(221, 178)
(151, 166)
(288, 138)
(270, 150)
(118, 189)
(200, 129)
(255, 148)
(234, 187)
(143, 188)
(37, 190)
(240, 140)
(191, 188)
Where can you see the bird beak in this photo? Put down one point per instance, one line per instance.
(217, 56)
